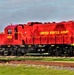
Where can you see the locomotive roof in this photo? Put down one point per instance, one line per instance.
(10, 27)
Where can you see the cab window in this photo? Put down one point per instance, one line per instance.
(9, 31)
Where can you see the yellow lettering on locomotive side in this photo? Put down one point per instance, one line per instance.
(59, 32)
(9, 37)
(64, 32)
(53, 32)
(45, 32)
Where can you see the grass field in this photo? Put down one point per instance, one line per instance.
(32, 70)
(39, 58)
(18, 69)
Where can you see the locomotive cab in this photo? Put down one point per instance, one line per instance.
(9, 31)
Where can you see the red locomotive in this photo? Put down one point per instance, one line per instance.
(55, 39)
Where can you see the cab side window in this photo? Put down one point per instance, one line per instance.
(9, 31)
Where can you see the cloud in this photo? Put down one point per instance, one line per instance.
(23, 11)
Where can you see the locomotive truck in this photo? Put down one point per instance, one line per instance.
(51, 38)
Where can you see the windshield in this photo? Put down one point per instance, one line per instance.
(9, 31)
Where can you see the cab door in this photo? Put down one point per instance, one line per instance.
(9, 36)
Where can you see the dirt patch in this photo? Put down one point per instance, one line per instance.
(31, 62)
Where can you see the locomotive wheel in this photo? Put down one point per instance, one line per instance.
(50, 52)
(24, 51)
(5, 53)
(18, 52)
(58, 52)
(1, 52)
(13, 53)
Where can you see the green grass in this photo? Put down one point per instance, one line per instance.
(39, 58)
(32, 70)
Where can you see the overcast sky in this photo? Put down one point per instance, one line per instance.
(23, 11)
